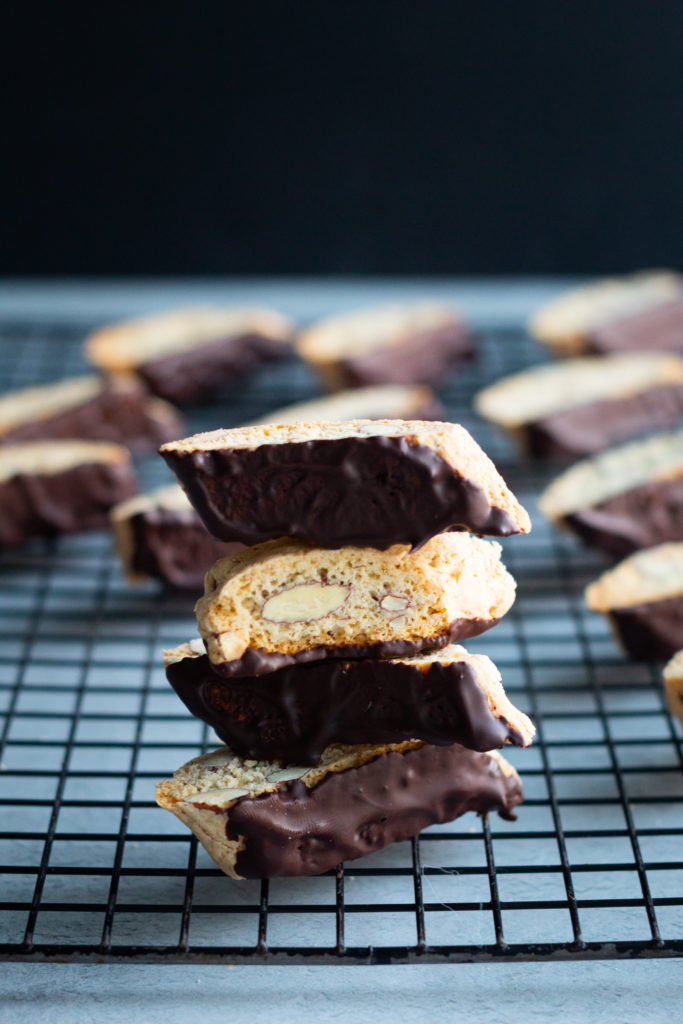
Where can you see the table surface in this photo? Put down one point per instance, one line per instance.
(600, 991)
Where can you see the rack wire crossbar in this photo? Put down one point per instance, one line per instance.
(92, 870)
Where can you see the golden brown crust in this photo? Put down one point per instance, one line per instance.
(653, 574)
(673, 683)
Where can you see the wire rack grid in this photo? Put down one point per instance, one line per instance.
(92, 870)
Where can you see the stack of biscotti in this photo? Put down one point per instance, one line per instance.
(328, 660)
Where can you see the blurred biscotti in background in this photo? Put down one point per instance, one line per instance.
(379, 402)
(673, 683)
(626, 498)
(638, 311)
(53, 487)
(581, 406)
(642, 598)
(184, 354)
(407, 344)
(92, 408)
(160, 536)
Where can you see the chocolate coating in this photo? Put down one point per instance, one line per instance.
(651, 631)
(585, 429)
(46, 504)
(259, 662)
(173, 546)
(294, 713)
(363, 491)
(115, 414)
(192, 373)
(659, 327)
(301, 831)
(639, 518)
(420, 359)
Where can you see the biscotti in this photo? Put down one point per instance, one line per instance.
(626, 498)
(160, 536)
(581, 406)
(673, 683)
(407, 344)
(366, 483)
(90, 408)
(292, 714)
(258, 819)
(52, 487)
(381, 402)
(184, 354)
(638, 311)
(642, 598)
(284, 602)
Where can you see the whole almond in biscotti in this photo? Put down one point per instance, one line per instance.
(412, 343)
(284, 602)
(184, 354)
(637, 311)
(624, 499)
(582, 406)
(642, 598)
(370, 483)
(292, 714)
(260, 819)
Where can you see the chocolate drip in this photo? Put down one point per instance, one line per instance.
(659, 327)
(364, 491)
(294, 713)
(420, 359)
(301, 831)
(639, 518)
(115, 414)
(651, 631)
(585, 429)
(192, 373)
(46, 504)
(173, 546)
(258, 662)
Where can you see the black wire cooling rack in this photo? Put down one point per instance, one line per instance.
(92, 870)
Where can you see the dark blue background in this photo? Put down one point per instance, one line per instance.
(323, 137)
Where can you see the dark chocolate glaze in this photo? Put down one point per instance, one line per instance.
(120, 414)
(362, 491)
(258, 662)
(420, 359)
(173, 546)
(659, 327)
(585, 429)
(301, 831)
(293, 714)
(43, 505)
(651, 631)
(638, 518)
(192, 373)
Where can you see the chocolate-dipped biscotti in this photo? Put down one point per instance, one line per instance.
(642, 598)
(383, 402)
(160, 536)
(90, 408)
(638, 311)
(368, 483)
(51, 487)
(581, 406)
(292, 714)
(673, 683)
(283, 602)
(408, 344)
(258, 819)
(626, 498)
(185, 354)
